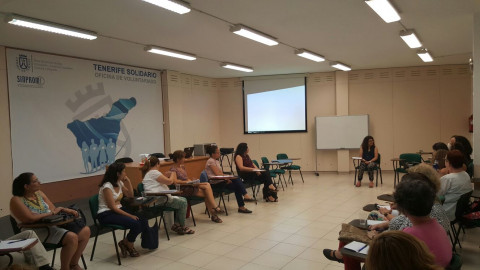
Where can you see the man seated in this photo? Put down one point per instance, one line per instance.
(37, 255)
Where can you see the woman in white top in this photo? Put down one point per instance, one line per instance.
(114, 186)
(454, 184)
(154, 181)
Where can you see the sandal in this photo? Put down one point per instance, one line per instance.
(271, 200)
(178, 229)
(216, 219)
(133, 252)
(74, 267)
(187, 230)
(330, 254)
(249, 200)
(123, 248)
(218, 210)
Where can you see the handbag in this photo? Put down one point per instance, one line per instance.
(150, 237)
(78, 223)
(351, 233)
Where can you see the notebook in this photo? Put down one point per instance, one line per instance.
(359, 247)
(15, 245)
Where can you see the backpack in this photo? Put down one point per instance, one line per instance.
(150, 237)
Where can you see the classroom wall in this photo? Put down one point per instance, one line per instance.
(193, 110)
(6, 168)
(410, 109)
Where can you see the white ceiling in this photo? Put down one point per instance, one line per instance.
(341, 30)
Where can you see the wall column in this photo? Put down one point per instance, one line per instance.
(341, 102)
(476, 95)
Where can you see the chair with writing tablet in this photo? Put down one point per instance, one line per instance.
(47, 246)
(290, 167)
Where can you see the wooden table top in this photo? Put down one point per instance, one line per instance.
(43, 224)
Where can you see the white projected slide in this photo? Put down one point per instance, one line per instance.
(276, 110)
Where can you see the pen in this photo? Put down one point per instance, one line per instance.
(363, 248)
(19, 240)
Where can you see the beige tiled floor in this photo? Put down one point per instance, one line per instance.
(289, 234)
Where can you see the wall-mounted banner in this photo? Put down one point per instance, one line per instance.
(71, 117)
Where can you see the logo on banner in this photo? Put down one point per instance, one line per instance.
(23, 62)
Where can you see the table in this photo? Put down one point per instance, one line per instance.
(421, 153)
(396, 165)
(370, 207)
(6, 252)
(356, 223)
(194, 167)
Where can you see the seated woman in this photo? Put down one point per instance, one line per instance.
(247, 170)
(415, 198)
(454, 184)
(29, 205)
(425, 173)
(155, 181)
(397, 250)
(213, 169)
(114, 186)
(438, 157)
(203, 190)
(369, 154)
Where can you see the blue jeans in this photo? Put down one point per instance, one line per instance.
(237, 186)
(135, 226)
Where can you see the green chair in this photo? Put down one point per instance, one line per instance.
(93, 202)
(455, 263)
(407, 160)
(274, 172)
(219, 189)
(254, 184)
(460, 210)
(290, 167)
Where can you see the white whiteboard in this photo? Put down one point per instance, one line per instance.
(341, 132)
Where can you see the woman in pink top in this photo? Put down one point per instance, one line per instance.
(414, 197)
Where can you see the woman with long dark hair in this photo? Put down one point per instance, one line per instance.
(248, 171)
(369, 154)
(115, 184)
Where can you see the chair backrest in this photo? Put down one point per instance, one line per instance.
(462, 204)
(265, 161)
(93, 203)
(14, 225)
(282, 156)
(379, 160)
(470, 169)
(410, 159)
(158, 155)
(124, 160)
(455, 263)
(256, 163)
(203, 176)
(140, 188)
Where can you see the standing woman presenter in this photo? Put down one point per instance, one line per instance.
(369, 154)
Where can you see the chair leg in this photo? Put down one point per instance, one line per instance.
(193, 217)
(381, 178)
(53, 257)
(290, 176)
(224, 205)
(451, 241)
(164, 225)
(376, 180)
(116, 247)
(94, 243)
(83, 261)
(301, 175)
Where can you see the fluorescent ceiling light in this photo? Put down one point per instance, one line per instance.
(177, 6)
(384, 9)
(253, 34)
(309, 55)
(424, 55)
(49, 27)
(170, 52)
(410, 38)
(236, 67)
(340, 66)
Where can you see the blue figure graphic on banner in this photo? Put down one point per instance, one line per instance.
(111, 147)
(99, 130)
(103, 154)
(94, 155)
(85, 152)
